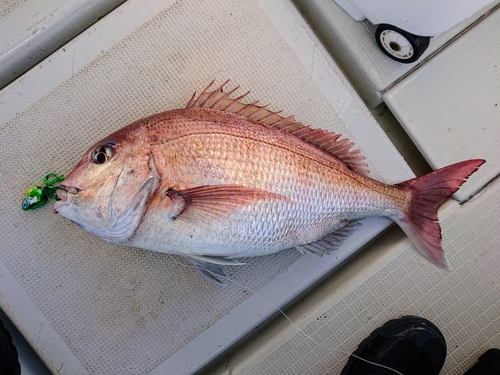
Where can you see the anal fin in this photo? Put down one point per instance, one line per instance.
(330, 242)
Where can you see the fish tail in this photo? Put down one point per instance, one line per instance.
(420, 221)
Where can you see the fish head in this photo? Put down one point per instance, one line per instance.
(107, 192)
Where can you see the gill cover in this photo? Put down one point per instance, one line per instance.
(113, 183)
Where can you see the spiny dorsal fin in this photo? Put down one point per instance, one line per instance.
(326, 141)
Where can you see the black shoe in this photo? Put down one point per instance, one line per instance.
(410, 345)
(487, 364)
(9, 364)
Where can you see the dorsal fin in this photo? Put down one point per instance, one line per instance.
(326, 141)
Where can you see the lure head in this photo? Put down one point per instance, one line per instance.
(34, 198)
(37, 196)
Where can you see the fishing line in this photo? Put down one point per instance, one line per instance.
(273, 304)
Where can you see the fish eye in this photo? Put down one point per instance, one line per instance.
(102, 153)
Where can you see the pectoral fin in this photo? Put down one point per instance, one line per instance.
(213, 202)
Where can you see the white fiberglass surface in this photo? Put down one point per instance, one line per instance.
(457, 118)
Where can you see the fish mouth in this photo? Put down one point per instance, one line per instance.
(66, 194)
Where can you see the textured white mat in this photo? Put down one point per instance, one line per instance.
(390, 282)
(121, 310)
(7, 6)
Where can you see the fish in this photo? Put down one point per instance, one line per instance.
(222, 179)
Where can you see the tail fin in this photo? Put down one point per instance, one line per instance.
(428, 192)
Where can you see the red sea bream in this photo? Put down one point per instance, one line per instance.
(220, 180)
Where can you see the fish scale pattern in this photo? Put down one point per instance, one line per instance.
(124, 310)
(210, 155)
(463, 303)
(235, 159)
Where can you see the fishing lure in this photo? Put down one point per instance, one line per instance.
(39, 194)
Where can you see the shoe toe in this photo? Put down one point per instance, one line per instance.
(410, 345)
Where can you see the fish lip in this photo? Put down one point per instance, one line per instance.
(58, 205)
(66, 195)
(70, 189)
(62, 195)
(65, 190)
